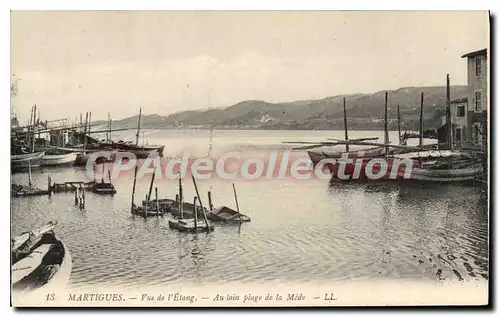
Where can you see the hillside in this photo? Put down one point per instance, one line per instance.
(364, 111)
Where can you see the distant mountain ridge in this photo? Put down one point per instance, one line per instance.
(364, 111)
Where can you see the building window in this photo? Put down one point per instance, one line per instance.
(478, 66)
(477, 100)
(460, 111)
(458, 134)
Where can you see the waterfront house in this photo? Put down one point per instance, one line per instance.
(477, 96)
(459, 123)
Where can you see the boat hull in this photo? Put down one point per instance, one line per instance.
(104, 189)
(227, 215)
(187, 210)
(189, 226)
(397, 170)
(58, 160)
(24, 161)
(50, 271)
(317, 156)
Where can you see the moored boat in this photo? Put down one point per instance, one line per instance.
(39, 260)
(408, 168)
(21, 162)
(187, 210)
(190, 225)
(226, 214)
(143, 211)
(318, 156)
(104, 188)
(58, 158)
(164, 204)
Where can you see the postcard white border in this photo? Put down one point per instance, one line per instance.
(183, 5)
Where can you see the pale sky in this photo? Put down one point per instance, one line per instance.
(73, 62)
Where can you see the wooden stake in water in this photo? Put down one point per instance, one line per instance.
(195, 215)
(83, 196)
(236, 199)
(29, 174)
(201, 203)
(210, 201)
(157, 205)
(146, 206)
(345, 128)
(49, 185)
(133, 190)
(76, 197)
(102, 176)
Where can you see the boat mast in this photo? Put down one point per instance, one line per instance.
(421, 135)
(210, 140)
(448, 113)
(151, 185)
(85, 133)
(201, 203)
(30, 127)
(399, 126)
(386, 132)
(195, 215)
(34, 126)
(110, 129)
(138, 127)
(90, 120)
(107, 133)
(181, 205)
(345, 128)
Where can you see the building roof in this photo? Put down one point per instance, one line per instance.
(461, 100)
(476, 53)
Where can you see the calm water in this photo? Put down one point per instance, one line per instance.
(300, 230)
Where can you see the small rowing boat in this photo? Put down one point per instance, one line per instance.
(226, 214)
(39, 262)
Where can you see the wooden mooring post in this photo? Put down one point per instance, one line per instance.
(195, 215)
(157, 205)
(210, 205)
(49, 185)
(236, 199)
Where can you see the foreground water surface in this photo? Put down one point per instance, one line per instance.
(300, 230)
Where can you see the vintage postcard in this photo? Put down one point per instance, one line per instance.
(261, 158)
